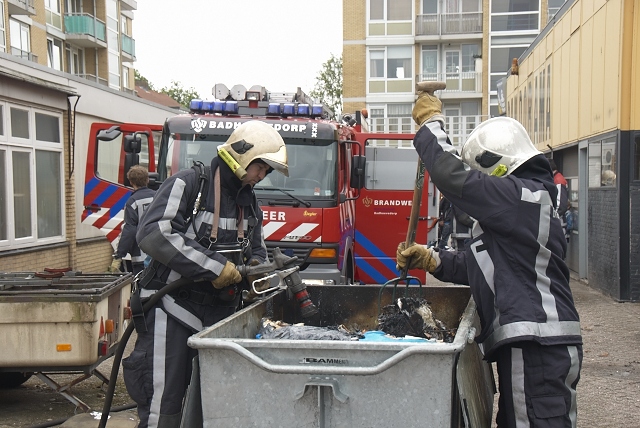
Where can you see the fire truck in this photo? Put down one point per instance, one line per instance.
(342, 210)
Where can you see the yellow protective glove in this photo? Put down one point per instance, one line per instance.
(419, 257)
(115, 265)
(228, 276)
(427, 107)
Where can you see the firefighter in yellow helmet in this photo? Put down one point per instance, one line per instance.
(201, 239)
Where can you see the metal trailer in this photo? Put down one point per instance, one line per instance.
(242, 381)
(60, 322)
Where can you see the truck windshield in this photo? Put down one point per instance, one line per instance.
(312, 171)
(312, 168)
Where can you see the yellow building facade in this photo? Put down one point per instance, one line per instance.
(576, 91)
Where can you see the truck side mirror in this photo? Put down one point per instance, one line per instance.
(154, 181)
(358, 168)
(132, 143)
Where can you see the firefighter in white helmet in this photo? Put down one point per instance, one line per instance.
(201, 224)
(513, 264)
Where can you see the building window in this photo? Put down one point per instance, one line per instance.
(20, 39)
(3, 33)
(53, 15)
(501, 57)
(31, 177)
(603, 163)
(75, 60)
(509, 15)
(54, 53)
(390, 10)
(392, 118)
(394, 62)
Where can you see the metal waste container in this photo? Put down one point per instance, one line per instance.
(243, 381)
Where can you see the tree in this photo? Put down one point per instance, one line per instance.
(328, 89)
(180, 94)
(142, 81)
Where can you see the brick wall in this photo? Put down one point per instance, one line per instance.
(35, 259)
(93, 255)
(603, 235)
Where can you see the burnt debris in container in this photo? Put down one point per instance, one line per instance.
(413, 317)
(270, 329)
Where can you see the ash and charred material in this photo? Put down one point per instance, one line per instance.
(410, 316)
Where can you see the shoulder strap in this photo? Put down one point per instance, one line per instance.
(199, 198)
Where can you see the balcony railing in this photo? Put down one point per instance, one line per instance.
(83, 24)
(94, 78)
(466, 81)
(128, 46)
(21, 7)
(439, 24)
(24, 54)
(459, 127)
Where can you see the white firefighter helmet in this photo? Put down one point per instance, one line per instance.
(498, 146)
(257, 140)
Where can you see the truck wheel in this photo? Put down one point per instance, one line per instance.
(349, 274)
(13, 379)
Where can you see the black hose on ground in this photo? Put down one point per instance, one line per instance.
(60, 421)
(117, 356)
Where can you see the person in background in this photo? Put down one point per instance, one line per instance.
(513, 264)
(197, 234)
(460, 229)
(134, 209)
(562, 200)
(444, 221)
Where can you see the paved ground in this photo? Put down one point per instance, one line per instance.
(608, 392)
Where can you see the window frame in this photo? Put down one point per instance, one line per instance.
(31, 145)
(3, 30)
(385, 63)
(385, 12)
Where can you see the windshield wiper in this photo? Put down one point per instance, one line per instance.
(300, 200)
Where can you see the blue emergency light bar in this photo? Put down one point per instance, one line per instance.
(273, 109)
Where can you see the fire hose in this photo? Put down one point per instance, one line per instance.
(282, 267)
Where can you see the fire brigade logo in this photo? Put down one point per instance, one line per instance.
(198, 124)
(367, 201)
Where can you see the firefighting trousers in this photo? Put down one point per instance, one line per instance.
(538, 385)
(158, 370)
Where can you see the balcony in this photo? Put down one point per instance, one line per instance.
(85, 30)
(21, 7)
(94, 78)
(128, 47)
(468, 82)
(443, 24)
(24, 54)
(459, 127)
(129, 5)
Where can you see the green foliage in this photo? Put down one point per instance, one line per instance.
(142, 81)
(328, 89)
(180, 94)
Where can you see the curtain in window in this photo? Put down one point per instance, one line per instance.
(399, 10)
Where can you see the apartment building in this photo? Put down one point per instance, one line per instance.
(64, 64)
(87, 38)
(389, 45)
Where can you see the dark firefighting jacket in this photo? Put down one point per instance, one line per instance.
(513, 263)
(135, 207)
(180, 243)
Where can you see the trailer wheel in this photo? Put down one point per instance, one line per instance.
(13, 379)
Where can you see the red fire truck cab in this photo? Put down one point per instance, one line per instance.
(312, 214)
